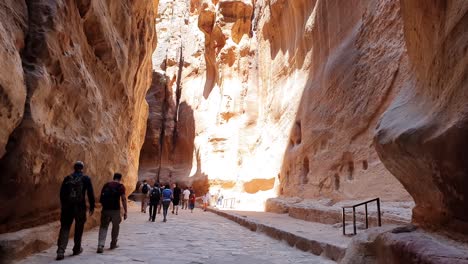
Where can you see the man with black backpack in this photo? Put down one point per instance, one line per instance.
(155, 197)
(73, 205)
(145, 188)
(111, 195)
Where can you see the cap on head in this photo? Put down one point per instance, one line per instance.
(78, 166)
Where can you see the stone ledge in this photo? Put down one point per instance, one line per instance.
(315, 245)
(404, 244)
(22, 243)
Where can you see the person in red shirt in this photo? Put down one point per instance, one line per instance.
(111, 194)
(192, 201)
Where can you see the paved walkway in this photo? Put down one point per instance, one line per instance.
(189, 238)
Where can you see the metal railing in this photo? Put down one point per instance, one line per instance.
(230, 201)
(367, 215)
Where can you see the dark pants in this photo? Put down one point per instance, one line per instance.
(66, 219)
(165, 207)
(152, 210)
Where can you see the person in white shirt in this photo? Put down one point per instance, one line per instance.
(206, 200)
(186, 194)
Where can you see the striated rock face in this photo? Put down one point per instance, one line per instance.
(422, 137)
(72, 87)
(281, 97)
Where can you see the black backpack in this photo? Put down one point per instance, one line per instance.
(155, 195)
(74, 190)
(145, 189)
(109, 196)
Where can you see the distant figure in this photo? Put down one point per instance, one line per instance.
(111, 194)
(192, 201)
(145, 188)
(175, 202)
(155, 198)
(206, 200)
(219, 201)
(73, 204)
(186, 195)
(166, 200)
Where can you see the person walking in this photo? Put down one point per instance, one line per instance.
(111, 194)
(166, 200)
(73, 207)
(192, 201)
(176, 200)
(145, 188)
(155, 198)
(186, 196)
(206, 200)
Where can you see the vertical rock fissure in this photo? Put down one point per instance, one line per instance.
(163, 122)
(178, 95)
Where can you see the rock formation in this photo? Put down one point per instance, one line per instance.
(422, 137)
(284, 96)
(72, 87)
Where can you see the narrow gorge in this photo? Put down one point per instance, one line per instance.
(296, 107)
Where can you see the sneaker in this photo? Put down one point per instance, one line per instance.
(100, 249)
(76, 253)
(60, 257)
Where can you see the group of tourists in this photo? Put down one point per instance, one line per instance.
(76, 186)
(73, 208)
(158, 197)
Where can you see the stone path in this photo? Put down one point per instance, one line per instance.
(189, 238)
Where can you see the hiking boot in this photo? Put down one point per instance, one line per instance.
(100, 250)
(60, 257)
(77, 252)
(164, 220)
(114, 246)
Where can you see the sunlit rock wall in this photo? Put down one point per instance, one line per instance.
(72, 87)
(282, 96)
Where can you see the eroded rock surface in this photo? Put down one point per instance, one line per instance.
(282, 96)
(422, 137)
(73, 82)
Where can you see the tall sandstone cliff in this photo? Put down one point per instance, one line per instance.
(276, 97)
(72, 87)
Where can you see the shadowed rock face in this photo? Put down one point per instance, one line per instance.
(422, 137)
(72, 86)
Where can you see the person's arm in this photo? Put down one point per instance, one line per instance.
(91, 200)
(124, 202)
(62, 192)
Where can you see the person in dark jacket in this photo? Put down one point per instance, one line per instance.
(73, 207)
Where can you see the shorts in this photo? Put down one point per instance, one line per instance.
(175, 202)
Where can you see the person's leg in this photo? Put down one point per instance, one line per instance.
(80, 220)
(105, 220)
(159, 207)
(66, 220)
(176, 209)
(150, 210)
(165, 209)
(173, 208)
(153, 212)
(116, 219)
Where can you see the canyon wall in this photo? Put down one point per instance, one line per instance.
(267, 98)
(422, 137)
(74, 77)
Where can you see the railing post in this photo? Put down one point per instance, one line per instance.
(344, 223)
(367, 219)
(354, 220)
(378, 212)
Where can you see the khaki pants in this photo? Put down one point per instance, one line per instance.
(108, 216)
